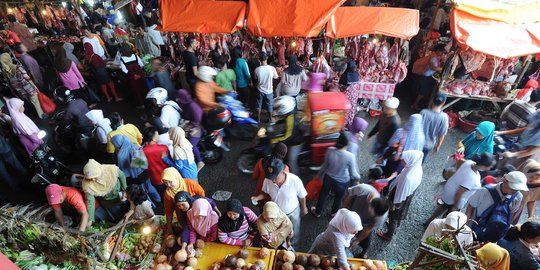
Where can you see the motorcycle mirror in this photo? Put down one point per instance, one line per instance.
(41, 134)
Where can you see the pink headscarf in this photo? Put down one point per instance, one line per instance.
(202, 207)
(20, 122)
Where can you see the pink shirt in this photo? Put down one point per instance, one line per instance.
(72, 79)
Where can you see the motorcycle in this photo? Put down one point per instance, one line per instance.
(212, 145)
(242, 127)
(48, 169)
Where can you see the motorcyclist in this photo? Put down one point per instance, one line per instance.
(206, 89)
(285, 115)
(75, 113)
(167, 111)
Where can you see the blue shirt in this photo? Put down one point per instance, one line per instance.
(434, 61)
(242, 73)
(186, 169)
(521, 257)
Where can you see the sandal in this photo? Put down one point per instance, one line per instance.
(313, 211)
(383, 235)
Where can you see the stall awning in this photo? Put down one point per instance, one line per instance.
(202, 16)
(299, 18)
(355, 21)
(495, 37)
(509, 11)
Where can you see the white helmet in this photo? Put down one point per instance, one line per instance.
(284, 105)
(206, 73)
(158, 93)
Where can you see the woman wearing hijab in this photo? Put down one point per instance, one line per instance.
(519, 241)
(182, 155)
(124, 158)
(106, 184)
(102, 76)
(350, 75)
(192, 112)
(292, 78)
(337, 237)
(67, 71)
(531, 169)
(21, 84)
(234, 226)
(454, 221)
(493, 257)
(478, 141)
(402, 191)
(202, 222)
(356, 128)
(175, 183)
(411, 136)
(102, 125)
(274, 227)
(23, 126)
(184, 201)
(68, 47)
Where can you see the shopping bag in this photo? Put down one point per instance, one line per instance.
(139, 159)
(313, 189)
(47, 105)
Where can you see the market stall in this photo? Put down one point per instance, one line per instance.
(285, 260)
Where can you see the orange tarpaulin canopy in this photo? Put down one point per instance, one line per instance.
(355, 21)
(299, 18)
(496, 38)
(202, 16)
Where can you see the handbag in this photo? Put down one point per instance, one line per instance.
(47, 105)
(139, 159)
(313, 189)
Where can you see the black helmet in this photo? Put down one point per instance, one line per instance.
(63, 94)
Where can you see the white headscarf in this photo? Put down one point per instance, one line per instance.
(455, 219)
(348, 223)
(410, 177)
(182, 148)
(96, 116)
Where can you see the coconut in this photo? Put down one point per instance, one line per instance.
(301, 259)
(240, 263)
(298, 267)
(263, 253)
(288, 256)
(198, 253)
(243, 253)
(170, 241)
(248, 265)
(379, 264)
(254, 267)
(314, 260)
(180, 255)
(216, 266)
(199, 243)
(192, 262)
(189, 268)
(161, 259)
(327, 262)
(280, 255)
(180, 266)
(230, 261)
(287, 266)
(278, 265)
(261, 264)
(353, 266)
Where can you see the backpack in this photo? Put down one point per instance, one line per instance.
(496, 220)
(420, 65)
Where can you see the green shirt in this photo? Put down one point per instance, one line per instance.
(225, 79)
(109, 199)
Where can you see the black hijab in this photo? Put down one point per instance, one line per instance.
(350, 75)
(293, 68)
(61, 63)
(228, 225)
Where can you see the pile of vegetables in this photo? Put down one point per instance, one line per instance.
(238, 261)
(175, 256)
(445, 243)
(288, 260)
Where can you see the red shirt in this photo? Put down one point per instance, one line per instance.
(153, 153)
(74, 197)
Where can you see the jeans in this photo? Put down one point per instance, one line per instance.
(339, 189)
(152, 191)
(292, 158)
(295, 218)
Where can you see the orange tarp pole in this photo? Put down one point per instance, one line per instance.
(202, 16)
(286, 18)
(355, 21)
(496, 38)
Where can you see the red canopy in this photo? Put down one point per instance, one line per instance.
(355, 21)
(286, 18)
(493, 37)
(202, 16)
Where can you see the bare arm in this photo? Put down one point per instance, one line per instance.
(303, 206)
(84, 221)
(469, 211)
(440, 140)
(522, 153)
(59, 216)
(511, 131)
(347, 201)
(363, 234)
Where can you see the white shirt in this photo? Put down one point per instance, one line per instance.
(436, 227)
(286, 196)
(95, 46)
(143, 211)
(170, 116)
(155, 34)
(464, 177)
(265, 76)
(128, 59)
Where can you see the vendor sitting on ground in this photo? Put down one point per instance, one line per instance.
(202, 222)
(184, 201)
(234, 226)
(274, 227)
(59, 197)
(454, 221)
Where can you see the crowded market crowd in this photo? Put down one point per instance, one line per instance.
(144, 170)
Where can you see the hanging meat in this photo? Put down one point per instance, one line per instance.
(471, 59)
(381, 56)
(393, 56)
(281, 53)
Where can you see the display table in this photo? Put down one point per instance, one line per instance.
(215, 252)
(494, 100)
(353, 261)
(367, 90)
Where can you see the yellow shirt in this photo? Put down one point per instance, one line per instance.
(128, 130)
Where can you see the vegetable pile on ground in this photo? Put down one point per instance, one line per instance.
(445, 243)
(136, 251)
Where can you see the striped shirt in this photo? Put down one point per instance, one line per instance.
(236, 238)
(516, 114)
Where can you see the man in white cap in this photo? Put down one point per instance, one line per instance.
(508, 192)
(388, 123)
(454, 221)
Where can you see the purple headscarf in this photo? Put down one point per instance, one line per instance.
(190, 109)
(22, 124)
(358, 124)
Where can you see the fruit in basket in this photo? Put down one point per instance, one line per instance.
(240, 263)
(180, 266)
(298, 267)
(263, 253)
(287, 266)
(248, 266)
(255, 267)
(353, 266)
(163, 266)
(156, 248)
(181, 255)
(230, 261)
(192, 262)
(261, 264)
(314, 260)
(161, 259)
(243, 253)
(301, 259)
(215, 266)
(170, 241)
(327, 262)
(198, 253)
(199, 243)
(288, 256)
(280, 255)
(379, 264)
(189, 268)
(167, 251)
(362, 268)
(278, 265)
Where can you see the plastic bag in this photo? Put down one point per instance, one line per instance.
(313, 189)
(139, 160)
(47, 105)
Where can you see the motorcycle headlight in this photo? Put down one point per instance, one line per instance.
(51, 158)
